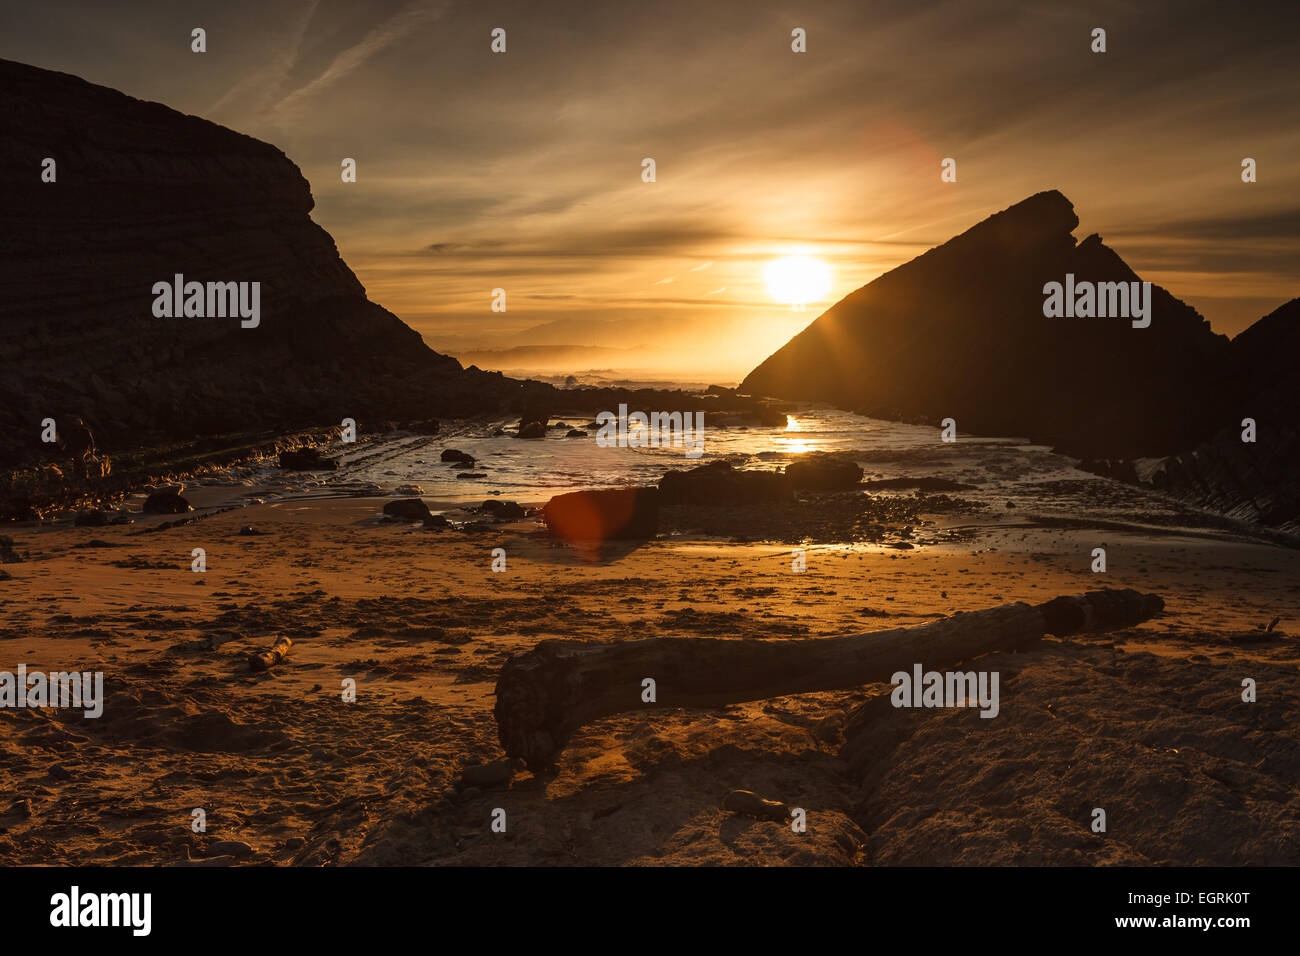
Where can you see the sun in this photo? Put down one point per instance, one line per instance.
(798, 280)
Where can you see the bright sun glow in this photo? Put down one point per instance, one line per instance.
(798, 280)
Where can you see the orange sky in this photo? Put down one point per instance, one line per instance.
(522, 170)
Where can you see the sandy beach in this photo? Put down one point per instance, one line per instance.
(1147, 722)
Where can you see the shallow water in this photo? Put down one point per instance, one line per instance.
(1008, 480)
(533, 470)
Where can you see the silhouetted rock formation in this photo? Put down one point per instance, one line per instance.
(959, 332)
(143, 193)
(1255, 481)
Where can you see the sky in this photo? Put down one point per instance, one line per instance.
(522, 170)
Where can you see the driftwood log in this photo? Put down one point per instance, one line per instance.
(268, 659)
(545, 694)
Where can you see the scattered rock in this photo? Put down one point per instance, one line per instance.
(717, 483)
(503, 510)
(412, 509)
(920, 484)
(306, 459)
(451, 454)
(576, 433)
(824, 472)
(532, 430)
(436, 521)
(167, 502)
(408, 490)
(488, 775)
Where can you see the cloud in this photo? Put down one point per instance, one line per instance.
(396, 27)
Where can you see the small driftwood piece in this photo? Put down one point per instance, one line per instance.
(268, 659)
(545, 694)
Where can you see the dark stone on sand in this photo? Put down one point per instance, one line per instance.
(248, 531)
(717, 483)
(576, 433)
(469, 475)
(436, 521)
(166, 502)
(824, 472)
(920, 484)
(306, 459)
(532, 430)
(452, 454)
(412, 509)
(503, 510)
(618, 514)
(488, 775)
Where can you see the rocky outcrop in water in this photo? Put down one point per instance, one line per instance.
(959, 332)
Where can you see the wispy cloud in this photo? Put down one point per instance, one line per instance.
(260, 87)
(381, 36)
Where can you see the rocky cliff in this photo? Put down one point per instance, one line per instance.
(141, 193)
(1257, 481)
(959, 332)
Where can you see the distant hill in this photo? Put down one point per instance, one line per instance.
(141, 194)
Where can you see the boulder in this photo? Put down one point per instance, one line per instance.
(503, 510)
(532, 430)
(717, 483)
(576, 433)
(306, 459)
(452, 455)
(411, 509)
(166, 502)
(618, 514)
(824, 472)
